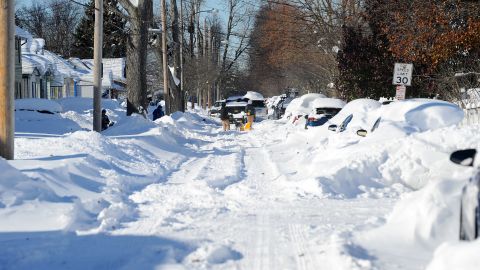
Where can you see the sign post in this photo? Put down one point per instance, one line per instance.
(402, 77)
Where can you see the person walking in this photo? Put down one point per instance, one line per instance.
(225, 118)
(158, 112)
(250, 110)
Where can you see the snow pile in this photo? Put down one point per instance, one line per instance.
(302, 105)
(456, 255)
(15, 187)
(38, 104)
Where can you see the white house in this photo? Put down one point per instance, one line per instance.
(43, 74)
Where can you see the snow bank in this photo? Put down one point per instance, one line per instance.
(456, 255)
(38, 104)
(81, 105)
(302, 105)
(15, 187)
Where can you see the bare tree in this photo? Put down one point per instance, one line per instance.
(238, 25)
(55, 21)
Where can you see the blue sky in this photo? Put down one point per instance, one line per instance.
(218, 4)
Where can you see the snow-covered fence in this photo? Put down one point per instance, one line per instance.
(471, 109)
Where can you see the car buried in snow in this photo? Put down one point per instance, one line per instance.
(323, 110)
(470, 199)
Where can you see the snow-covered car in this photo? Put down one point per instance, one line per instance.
(215, 110)
(470, 199)
(236, 108)
(354, 115)
(301, 106)
(404, 117)
(323, 110)
(259, 103)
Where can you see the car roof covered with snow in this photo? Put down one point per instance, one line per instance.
(302, 105)
(253, 95)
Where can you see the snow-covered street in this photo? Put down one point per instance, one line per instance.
(180, 193)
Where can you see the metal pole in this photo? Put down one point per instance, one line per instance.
(97, 66)
(7, 78)
(166, 91)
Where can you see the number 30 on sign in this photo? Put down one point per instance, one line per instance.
(402, 74)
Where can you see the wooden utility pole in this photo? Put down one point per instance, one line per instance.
(166, 91)
(205, 56)
(7, 78)
(97, 66)
(182, 90)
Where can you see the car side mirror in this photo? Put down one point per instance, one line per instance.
(464, 157)
(332, 127)
(362, 132)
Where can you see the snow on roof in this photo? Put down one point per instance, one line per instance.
(115, 66)
(19, 32)
(253, 95)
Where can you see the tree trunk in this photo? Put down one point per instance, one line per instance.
(177, 96)
(137, 56)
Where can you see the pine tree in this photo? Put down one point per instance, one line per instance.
(114, 33)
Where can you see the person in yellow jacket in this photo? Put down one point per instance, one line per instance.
(250, 110)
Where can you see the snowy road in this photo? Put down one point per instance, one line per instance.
(179, 193)
(233, 196)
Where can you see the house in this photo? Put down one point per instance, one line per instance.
(113, 77)
(21, 36)
(44, 74)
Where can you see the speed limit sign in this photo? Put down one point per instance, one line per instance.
(402, 74)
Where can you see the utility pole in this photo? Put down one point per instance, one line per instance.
(97, 66)
(166, 90)
(7, 78)
(182, 91)
(205, 56)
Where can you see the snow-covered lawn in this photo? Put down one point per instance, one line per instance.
(179, 193)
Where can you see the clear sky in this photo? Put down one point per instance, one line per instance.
(209, 4)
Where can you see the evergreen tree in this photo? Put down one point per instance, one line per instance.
(365, 63)
(114, 33)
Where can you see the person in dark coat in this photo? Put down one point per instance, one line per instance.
(225, 118)
(105, 120)
(250, 110)
(158, 112)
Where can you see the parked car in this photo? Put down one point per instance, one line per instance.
(236, 109)
(323, 110)
(215, 110)
(470, 200)
(258, 102)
